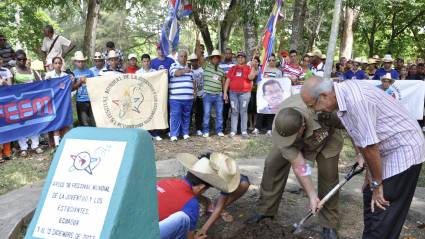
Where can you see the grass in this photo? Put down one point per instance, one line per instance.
(255, 147)
(20, 172)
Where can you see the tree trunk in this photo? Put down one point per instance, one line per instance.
(371, 42)
(298, 19)
(347, 33)
(332, 39)
(92, 19)
(315, 32)
(227, 24)
(203, 28)
(251, 39)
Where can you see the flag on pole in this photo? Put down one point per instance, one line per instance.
(270, 32)
(171, 29)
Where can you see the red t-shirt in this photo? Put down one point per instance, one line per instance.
(238, 76)
(176, 195)
(131, 69)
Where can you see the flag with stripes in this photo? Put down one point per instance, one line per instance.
(270, 32)
(171, 29)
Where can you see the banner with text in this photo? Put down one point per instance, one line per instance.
(271, 92)
(34, 108)
(130, 100)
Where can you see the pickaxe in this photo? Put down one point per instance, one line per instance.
(297, 227)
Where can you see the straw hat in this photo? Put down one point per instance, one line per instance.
(215, 53)
(386, 77)
(219, 171)
(310, 54)
(112, 54)
(357, 60)
(98, 56)
(193, 57)
(79, 56)
(371, 61)
(318, 53)
(323, 57)
(387, 58)
(376, 57)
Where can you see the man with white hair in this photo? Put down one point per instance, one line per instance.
(181, 93)
(388, 138)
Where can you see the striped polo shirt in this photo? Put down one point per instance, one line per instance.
(226, 65)
(373, 117)
(213, 79)
(180, 87)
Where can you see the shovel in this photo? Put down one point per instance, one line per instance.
(297, 227)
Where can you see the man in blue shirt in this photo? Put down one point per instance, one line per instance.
(99, 63)
(162, 61)
(81, 73)
(353, 71)
(388, 61)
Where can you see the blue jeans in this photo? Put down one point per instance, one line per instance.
(176, 226)
(180, 117)
(239, 103)
(211, 100)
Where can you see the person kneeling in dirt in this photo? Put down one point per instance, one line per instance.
(299, 135)
(178, 205)
(216, 208)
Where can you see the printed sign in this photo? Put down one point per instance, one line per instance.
(271, 92)
(80, 191)
(130, 100)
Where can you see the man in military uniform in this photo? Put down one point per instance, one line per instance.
(300, 135)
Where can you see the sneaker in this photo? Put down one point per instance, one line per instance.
(269, 133)
(186, 136)
(174, 138)
(255, 131)
(220, 134)
(232, 134)
(206, 135)
(39, 150)
(157, 138)
(199, 133)
(23, 153)
(245, 135)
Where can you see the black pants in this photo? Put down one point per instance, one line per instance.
(198, 110)
(399, 191)
(226, 110)
(85, 114)
(264, 121)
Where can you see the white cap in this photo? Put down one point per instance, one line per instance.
(132, 55)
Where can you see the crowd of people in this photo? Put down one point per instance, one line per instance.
(198, 83)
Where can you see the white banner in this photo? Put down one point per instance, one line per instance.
(410, 93)
(271, 92)
(130, 101)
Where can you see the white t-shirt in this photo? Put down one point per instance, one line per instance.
(142, 71)
(5, 73)
(57, 48)
(53, 74)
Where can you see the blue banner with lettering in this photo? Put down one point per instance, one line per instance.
(34, 108)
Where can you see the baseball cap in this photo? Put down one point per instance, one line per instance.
(287, 124)
(241, 53)
(132, 55)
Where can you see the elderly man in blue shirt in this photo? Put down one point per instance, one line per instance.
(387, 68)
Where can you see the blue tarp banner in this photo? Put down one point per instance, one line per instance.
(34, 108)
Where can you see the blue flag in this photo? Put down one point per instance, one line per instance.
(34, 108)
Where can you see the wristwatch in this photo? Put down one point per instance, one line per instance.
(374, 185)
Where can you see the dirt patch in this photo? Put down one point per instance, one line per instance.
(265, 229)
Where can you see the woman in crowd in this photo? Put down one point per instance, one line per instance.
(22, 74)
(57, 72)
(237, 89)
(404, 73)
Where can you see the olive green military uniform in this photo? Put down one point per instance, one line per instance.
(321, 142)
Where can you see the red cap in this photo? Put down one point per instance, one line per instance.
(158, 46)
(284, 53)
